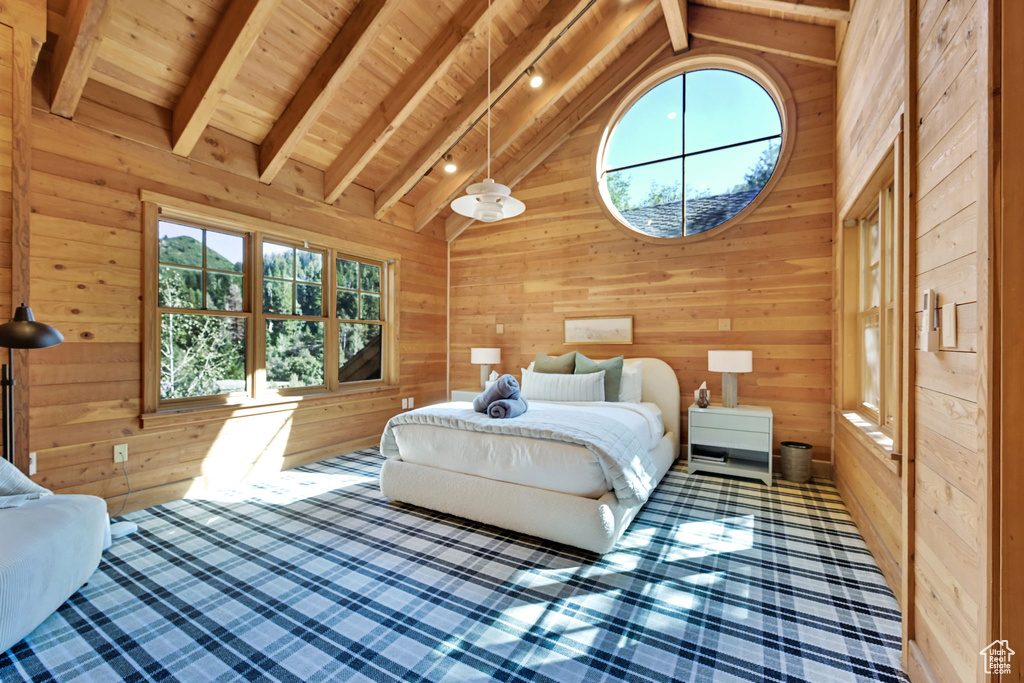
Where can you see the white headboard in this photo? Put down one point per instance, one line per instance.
(661, 386)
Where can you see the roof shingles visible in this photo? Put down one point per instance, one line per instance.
(702, 214)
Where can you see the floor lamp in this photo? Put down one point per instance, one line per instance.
(23, 332)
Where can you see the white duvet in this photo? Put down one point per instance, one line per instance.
(551, 465)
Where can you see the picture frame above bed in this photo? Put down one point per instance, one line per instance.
(616, 329)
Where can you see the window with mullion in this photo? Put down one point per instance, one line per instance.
(294, 320)
(360, 318)
(204, 321)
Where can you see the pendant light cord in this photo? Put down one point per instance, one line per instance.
(489, 88)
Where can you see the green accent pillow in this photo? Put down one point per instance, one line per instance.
(612, 373)
(555, 365)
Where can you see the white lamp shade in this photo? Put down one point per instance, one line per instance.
(730, 361)
(485, 356)
(488, 202)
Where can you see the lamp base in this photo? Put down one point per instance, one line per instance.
(485, 372)
(729, 390)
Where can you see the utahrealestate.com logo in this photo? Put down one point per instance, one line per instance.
(997, 657)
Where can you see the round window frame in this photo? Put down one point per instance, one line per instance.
(739, 61)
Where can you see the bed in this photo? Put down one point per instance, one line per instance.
(548, 489)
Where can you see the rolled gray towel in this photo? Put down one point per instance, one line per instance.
(505, 386)
(505, 408)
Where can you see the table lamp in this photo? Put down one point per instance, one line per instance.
(23, 332)
(730, 363)
(485, 358)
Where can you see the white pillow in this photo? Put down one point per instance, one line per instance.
(631, 388)
(542, 386)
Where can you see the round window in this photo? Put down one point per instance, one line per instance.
(691, 153)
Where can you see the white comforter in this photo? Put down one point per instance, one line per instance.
(539, 463)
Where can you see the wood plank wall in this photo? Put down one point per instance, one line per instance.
(769, 278)
(6, 166)
(869, 92)
(86, 274)
(951, 552)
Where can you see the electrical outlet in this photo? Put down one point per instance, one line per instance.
(412, 402)
(33, 464)
(121, 452)
(405, 404)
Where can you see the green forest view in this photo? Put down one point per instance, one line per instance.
(204, 354)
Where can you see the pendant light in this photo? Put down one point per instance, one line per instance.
(488, 201)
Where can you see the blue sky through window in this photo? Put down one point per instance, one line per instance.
(722, 108)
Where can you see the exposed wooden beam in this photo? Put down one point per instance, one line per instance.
(654, 44)
(75, 53)
(562, 77)
(344, 54)
(234, 38)
(520, 54)
(789, 38)
(404, 99)
(832, 10)
(675, 19)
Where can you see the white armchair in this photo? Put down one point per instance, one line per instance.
(49, 547)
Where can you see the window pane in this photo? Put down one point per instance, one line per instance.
(278, 261)
(359, 352)
(652, 128)
(720, 184)
(224, 252)
(309, 266)
(890, 358)
(371, 278)
(348, 304)
(180, 287)
(295, 353)
(309, 300)
(201, 355)
(649, 198)
(873, 285)
(180, 244)
(870, 362)
(371, 307)
(277, 297)
(348, 274)
(725, 108)
(223, 292)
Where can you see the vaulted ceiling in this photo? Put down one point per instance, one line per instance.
(373, 93)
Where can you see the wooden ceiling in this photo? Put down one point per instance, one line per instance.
(374, 92)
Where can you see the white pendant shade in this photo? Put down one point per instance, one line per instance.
(488, 202)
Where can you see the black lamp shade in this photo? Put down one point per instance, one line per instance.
(23, 332)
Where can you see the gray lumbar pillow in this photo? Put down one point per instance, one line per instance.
(612, 373)
(555, 365)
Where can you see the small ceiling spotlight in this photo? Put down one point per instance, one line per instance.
(536, 80)
(449, 164)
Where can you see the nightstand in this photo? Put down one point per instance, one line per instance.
(464, 394)
(734, 441)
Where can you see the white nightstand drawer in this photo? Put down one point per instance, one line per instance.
(751, 441)
(731, 421)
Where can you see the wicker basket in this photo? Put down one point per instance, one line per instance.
(796, 461)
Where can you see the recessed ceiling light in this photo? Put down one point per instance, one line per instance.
(449, 164)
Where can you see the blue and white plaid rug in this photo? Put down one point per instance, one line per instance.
(314, 576)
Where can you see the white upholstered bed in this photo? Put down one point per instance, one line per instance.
(459, 473)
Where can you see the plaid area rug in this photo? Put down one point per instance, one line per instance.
(314, 576)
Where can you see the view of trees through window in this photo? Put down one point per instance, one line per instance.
(205, 318)
(692, 152)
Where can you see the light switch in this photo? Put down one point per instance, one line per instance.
(500, 328)
(724, 324)
(949, 326)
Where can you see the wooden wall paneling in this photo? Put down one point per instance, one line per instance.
(770, 275)
(322, 84)
(1011, 331)
(506, 68)
(88, 282)
(235, 36)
